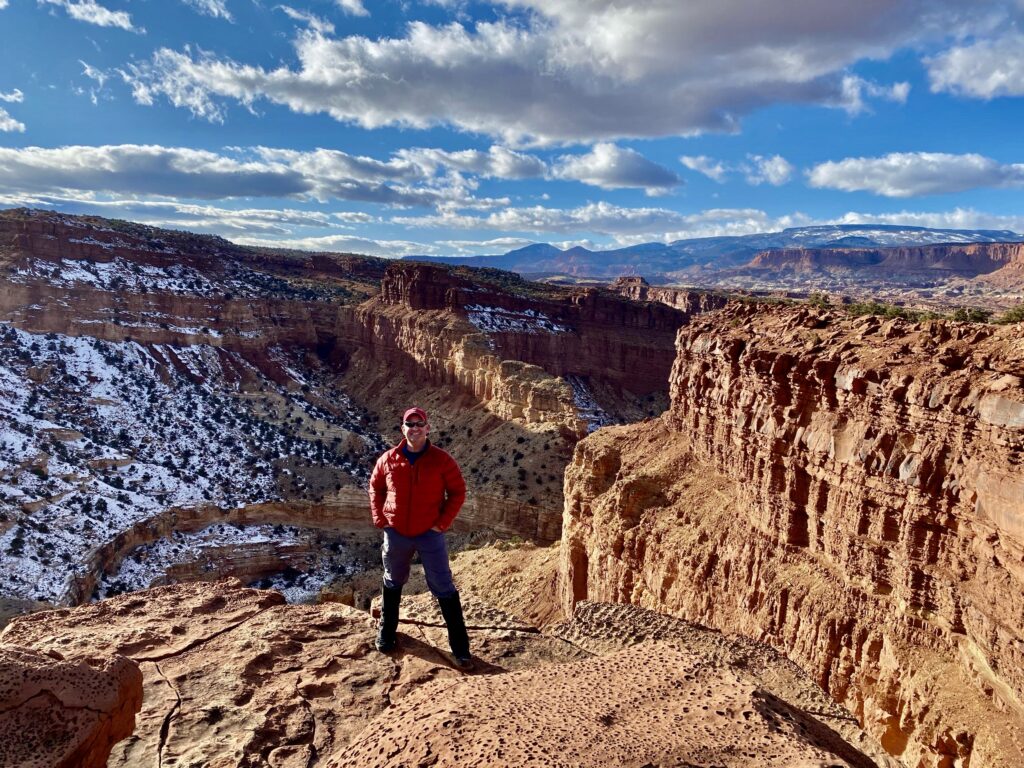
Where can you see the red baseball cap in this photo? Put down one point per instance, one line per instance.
(414, 412)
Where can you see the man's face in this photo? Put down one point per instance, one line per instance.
(415, 430)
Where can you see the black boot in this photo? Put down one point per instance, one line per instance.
(390, 597)
(458, 638)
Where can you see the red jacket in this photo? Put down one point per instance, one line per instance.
(413, 498)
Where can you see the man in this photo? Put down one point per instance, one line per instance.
(416, 490)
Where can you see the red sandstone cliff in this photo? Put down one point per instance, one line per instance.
(849, 491)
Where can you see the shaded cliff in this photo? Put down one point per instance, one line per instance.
(848, 491)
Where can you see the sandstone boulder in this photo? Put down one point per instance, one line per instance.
(58, 712)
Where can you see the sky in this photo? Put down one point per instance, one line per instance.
(449, 127)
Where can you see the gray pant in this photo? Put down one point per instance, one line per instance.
(397, 552)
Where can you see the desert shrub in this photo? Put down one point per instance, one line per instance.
(1013, 315)
(972, 315)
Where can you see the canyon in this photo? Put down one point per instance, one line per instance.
(799, 532)
(846, 490)
(117, 337)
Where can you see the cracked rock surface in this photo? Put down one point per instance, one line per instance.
(57, 711)
(235, 677)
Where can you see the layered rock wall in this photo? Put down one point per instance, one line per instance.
(967, 259)
(849, 491)
(603, 335)
(689, 301)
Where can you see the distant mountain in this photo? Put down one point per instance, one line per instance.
(661, 261)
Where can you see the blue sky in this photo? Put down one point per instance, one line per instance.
(451, 127)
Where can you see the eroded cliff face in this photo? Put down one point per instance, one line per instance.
(689, 301)
(849, 491)
(965, 260)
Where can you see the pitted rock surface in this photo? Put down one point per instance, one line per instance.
(235, 677)
(61, 712)
(653, 704)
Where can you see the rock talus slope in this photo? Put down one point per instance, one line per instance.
(850, 492)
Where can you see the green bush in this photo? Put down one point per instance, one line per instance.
(1014, 315)
(972, 315)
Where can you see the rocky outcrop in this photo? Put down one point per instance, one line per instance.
(597, 334)
(235, 676)
(60, 711)
(846, 490)
(688, 301)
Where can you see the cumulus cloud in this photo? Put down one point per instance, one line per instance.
(574, 70)
(984, 69)
(15, 96)
(611, 167)
(703, 164)
(774, 170)
(3, 4)
(909, 174)
(92, 12)
(218, 9)
(8, 124)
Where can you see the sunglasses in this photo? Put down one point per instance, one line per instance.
(415, 424)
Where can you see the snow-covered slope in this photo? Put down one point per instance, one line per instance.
(97, 435)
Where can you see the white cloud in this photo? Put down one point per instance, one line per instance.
(577, 70)
(958, 218)
(855, 89)
(96, 75)
(497, 162)
(611, 167)
(353, 7)
(909, 174)
(984, 69)
(757, 169)
(92, 12)
(600, 218)
(15, 96)
(228, 222)
(354, 217)
(214, 8)
(3, 4)
(8, 124)
(312, 21)
(497, 245)
(237, 172)
(774, 170)
(713, 169)
(389, 249)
